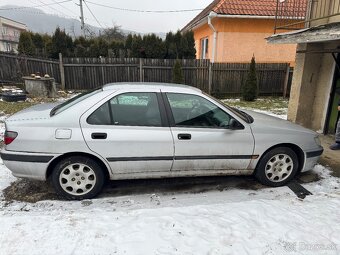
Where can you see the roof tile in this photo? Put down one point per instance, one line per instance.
(251, 7)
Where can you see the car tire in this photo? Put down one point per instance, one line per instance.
(77, 178)
(277, 167)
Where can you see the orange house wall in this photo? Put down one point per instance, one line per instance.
(239, 39)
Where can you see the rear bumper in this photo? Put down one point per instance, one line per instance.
(27, 165)
(312, 158)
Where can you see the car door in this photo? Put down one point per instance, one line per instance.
(207, 137)
(131, 133)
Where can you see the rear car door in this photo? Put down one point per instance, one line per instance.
(207, 137)
(131, 132)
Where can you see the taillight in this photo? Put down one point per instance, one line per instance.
(10, 136)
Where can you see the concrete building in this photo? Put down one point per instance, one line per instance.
(313, 101)
(235, 30)
(9, 34)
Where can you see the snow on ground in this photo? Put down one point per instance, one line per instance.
(2, 126)
(231, 221)
(234, 221)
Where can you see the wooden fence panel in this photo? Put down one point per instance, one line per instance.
(88, 73)
(13, 67)
(228, 78)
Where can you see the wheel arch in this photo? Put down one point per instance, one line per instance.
(56, 160)
(299, 153)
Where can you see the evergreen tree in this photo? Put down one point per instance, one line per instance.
(177, 73)
(47, 48)
(153, 46)
(190, 51)
(61, 43)
(180, 45)
(128, 45)
(37, 40)
(250, 87)
(171, 48)
(137, 47)
(26, 45)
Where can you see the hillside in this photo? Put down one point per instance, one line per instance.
(41, 22)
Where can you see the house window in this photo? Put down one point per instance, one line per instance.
(8, 47)
(204, 48)
(4, 31)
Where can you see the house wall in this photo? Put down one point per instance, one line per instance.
(311, 86)
(239, 39)
(9, 34)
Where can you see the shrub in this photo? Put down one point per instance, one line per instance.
(250, 87)
(177, 73)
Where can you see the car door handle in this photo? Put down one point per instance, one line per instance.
(98, 135)
(184, 136)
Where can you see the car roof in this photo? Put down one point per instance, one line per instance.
(154, 85)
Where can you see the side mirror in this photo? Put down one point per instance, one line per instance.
(234, 125)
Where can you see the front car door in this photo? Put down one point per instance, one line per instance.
(131, 132)
(207, 138)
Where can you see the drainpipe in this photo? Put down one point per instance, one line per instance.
(210, 17)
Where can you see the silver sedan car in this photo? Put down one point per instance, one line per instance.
(149, 130)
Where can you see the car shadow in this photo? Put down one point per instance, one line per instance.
(34, 191)
(172, 186)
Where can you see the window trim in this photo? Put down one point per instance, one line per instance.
(204, 47)
(172, 119)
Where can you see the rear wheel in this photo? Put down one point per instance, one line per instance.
(78, 178)
(277, 167)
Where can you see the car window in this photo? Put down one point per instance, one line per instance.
(196, 111)
(101, 116)
(74, 100)
(128, 109)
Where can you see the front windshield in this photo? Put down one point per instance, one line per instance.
(74, 100)
(241, 114)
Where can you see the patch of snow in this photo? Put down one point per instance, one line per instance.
(2, 126)
(281, 116)
(231, 100)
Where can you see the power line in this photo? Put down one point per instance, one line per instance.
(93, 14)
(36, 6)
(145, 11)
(69, 10)
(56, 10)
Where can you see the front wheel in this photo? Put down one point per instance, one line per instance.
(277, 167)
(78, 178)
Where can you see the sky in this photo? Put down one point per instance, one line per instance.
(137, 21)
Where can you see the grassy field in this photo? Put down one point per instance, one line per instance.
(9, 108)
(13, 107)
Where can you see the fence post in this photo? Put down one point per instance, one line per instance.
(62, 72)
(102, 61)
(210, 76)
(285, 87)
(141, 74)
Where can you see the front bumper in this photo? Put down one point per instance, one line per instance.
(27, 165)
(312, 158)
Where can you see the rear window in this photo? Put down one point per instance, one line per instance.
(74, 100)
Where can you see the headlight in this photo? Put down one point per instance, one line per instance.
(317, 140)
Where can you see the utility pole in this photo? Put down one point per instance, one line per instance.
(82, 24)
